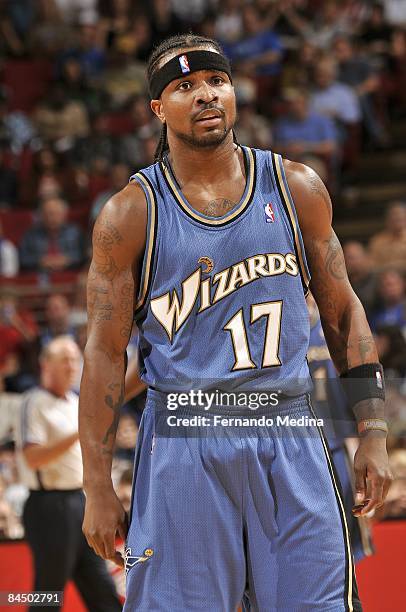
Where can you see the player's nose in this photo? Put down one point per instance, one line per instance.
(206, 93)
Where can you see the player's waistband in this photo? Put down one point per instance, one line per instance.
(239, 403)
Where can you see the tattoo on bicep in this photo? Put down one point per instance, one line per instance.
(334, 260)
(104, 238)
(317, 187)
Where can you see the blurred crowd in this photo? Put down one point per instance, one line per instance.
(318, 81)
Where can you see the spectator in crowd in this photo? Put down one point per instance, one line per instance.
(52, 244)
(388, 247)
(88, 51)
(321, 30)
(18, 333)
(142, 125)
(50, 464)
(78, 313)
(333, 99)
(127, 431)
(392, 293)
(124, 489)
(16, 20)
(191, 12)
(258, 54)
(45, 180)
(57, 319)
(116, 18)
(99, 144)
(79, 90)
(8, 256)
(395, 12)
(359, 269)
(8, 182)
(356, 72)
(397, 73)
(164, 22)
(16, 128)
(251, 128)
(302, 131)
(299, 67)
(375, 33)
(395, 503)
(228, 26)
(120, 173)
(391, 346)
(60, 120)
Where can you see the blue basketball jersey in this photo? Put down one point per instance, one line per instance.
(222, 299)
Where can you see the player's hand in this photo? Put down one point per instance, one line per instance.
(372, 474)
(105, 519)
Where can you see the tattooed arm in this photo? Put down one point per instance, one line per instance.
(118, 246)
(345, 326)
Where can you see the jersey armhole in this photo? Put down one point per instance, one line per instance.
(150, 244)
(287, 201)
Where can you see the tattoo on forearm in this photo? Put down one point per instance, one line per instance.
(366, 344)
(99, 305)
(114, 405)
(218, 207)
(126, 309)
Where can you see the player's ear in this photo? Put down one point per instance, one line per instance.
(157, 109)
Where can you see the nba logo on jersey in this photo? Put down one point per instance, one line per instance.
(269, 213)
(184, 64)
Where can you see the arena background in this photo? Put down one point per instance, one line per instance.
(321, 82)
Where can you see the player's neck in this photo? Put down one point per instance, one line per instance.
(205, 165)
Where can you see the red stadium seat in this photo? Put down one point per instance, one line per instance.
(16, 223)
(27, 81)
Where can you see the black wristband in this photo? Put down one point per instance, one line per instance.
(364, 382)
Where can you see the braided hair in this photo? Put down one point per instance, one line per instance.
(180, 41)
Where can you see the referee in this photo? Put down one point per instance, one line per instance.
(50, 464)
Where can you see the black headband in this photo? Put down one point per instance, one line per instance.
(182, 65)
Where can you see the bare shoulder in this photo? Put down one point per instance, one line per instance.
(121, 224)
(126, 207)
(308, 191)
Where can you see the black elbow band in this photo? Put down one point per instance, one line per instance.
(364, 382)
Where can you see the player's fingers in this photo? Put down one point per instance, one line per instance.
(387, 483)
(360, 484)
(118, 559)
(109, 545)
(97, 543)
(122, 529)
(376, 493)
(91, 538)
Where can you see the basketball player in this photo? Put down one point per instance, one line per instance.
(207, 248)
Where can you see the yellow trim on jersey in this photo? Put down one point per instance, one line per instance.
(150, 240)
(193, 213)
(342, 512)
(278, 166)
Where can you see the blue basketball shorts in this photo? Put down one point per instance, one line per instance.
(224, 516)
